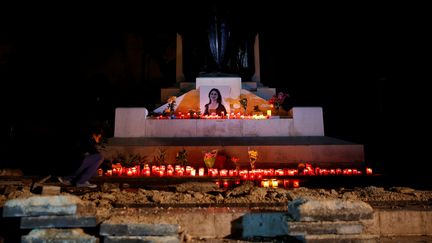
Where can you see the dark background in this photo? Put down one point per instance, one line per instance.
(365, 65)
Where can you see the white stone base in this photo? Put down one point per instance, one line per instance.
(133, 122)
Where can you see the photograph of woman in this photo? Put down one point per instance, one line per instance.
(215, 103)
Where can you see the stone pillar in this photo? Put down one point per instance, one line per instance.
(179, 59)
(257, 76)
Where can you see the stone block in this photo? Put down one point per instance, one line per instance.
(264, 225)
(58, 236)
(219, 128)
(302, 209)
(58, 222)
(225, 225)
(249, 85)
(41, 205)
(325, 227)
(170, 128)
(331, 238)
(308, 121)
(265, 93)
(139, 229)
(143, 239)
(130, 122)
(404, 222)
(269, 127)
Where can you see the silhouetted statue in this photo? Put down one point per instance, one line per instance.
(225, 49)
(218, 37)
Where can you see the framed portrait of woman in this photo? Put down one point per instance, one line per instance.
(213, 99)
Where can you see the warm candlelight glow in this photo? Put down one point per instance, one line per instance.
(268, 112)
(223, 172)
(225, 184)
(201, 171)
(274, 183)
(265, 183)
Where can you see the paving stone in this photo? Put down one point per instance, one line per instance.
(58, 236)
(139, 229)
(264, 225)
(332, 238)
(320, 228)
(137, 239)
(58, 222)
(303, 209)
(41, 205)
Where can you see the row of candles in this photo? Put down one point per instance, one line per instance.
(255, 174)
(270, 183)
(231, 115)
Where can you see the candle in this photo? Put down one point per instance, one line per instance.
(268, 112)
(274, 183)
(201, 171)
(109, 173)
(223, 172)
(265, 183)
(225, 184)
(368, 171)
(296, 183)
(100, 172)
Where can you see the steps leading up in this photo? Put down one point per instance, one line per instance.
(321, 151)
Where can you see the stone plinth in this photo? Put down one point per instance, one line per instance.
(133, 122)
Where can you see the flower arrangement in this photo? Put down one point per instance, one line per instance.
(277, 100)
(171, 105)
(160, 158)
(243, 103)
(181, 157)
(129, 160)
(210, 158)
(253, 156)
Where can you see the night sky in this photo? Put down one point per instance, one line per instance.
(364, 65)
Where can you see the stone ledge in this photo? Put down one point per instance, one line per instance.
(325, 227)
(139, 229)
(41, 205)
(303, 209)
(58, 235)
(58, 222)
(137, 239)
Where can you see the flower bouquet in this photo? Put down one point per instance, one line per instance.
(253, 156)
(243, 103)
(210, 158)
(277, 100)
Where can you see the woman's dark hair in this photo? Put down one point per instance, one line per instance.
(219, 98)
